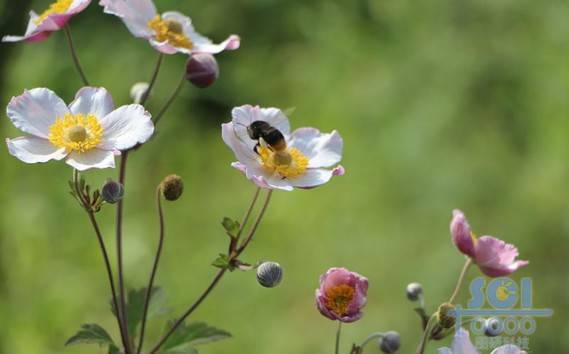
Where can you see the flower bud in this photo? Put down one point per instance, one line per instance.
(445, 315)
(138, 90)
(172, 187)
(269, 274)
(414, 290)
(390, 342)
(492, 327)
(202, 70)
(112, 192)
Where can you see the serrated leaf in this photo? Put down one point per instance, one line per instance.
(222, 262)
(193, 334)
(91, 334)
(231, 226)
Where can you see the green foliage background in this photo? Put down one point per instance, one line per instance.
(441, 103)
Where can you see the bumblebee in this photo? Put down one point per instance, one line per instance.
(266, 134)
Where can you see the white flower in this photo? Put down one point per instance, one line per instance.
(88, 133)
(461, 344)
(51, 20)
(168, 33)
(310, 159)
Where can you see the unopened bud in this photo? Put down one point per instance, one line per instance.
(172, 187)
(390, 342)
(112, 192)
(445, 315)
(414, 290)
(138, 90)
(269, 274)
(202, 70)
(492, 327)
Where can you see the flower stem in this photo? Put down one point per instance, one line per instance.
(371, 337)
(153, 79)
(154, 268)
(170, 99)
(425, 339)
(101, 241)
(232, 256)
(67, 30)
(460, 280)
(119, 220)
(338, 334)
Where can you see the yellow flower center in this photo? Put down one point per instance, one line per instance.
(170, 31)
(289, 163)
(339, 298)
(76, 132)
(58, 7)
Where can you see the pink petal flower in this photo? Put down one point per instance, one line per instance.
(341, 295)
(461, 234)
(496, 258)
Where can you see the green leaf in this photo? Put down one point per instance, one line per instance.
(189, 335)
(223, 262)
(231, 226)
(182, 349)
(114, 350)
(91, 334)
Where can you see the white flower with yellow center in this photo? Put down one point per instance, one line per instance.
(87, 134)
(52, 19)
(169, 33)
(306, 158)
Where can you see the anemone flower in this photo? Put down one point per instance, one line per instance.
(341, 295)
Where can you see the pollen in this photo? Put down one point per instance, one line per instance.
(58, 7)
(289, 163)
(170, 31)
(339, 298)
(77, 132)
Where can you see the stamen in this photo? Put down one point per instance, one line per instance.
(339, 298)
(76, 132)
(170, 31)
(289, 163)
(58, 7)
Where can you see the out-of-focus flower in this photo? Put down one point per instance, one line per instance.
(461, 344)
(304, 159)
(138, 90)
(390, 342)
(414, 290)
(168, 33)
(494, 257)
(269, 274)
(342, 295)
(51, 20)
(202, 70)
(88, 133)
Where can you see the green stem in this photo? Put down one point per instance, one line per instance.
(425, 339)
(460, 280)
(67, 30)
(371, 337)
(153, 79)
(338, 334)
(170, 99)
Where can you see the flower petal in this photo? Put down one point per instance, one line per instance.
(243, 116)
(323, 150)
(495, 257)
(30, 149)
(36, 110)
(92, 100)
(312, 178)
(125, 127)
(91, 159)
(203, 44)
(462, 344)
(135, 14)
(461, 234)
(508, 349)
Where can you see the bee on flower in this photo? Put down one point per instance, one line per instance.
(87, 134)
(52, 19)
(272, 157)
(169, 33)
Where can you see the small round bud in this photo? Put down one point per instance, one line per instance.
(172, 187)
(390, 342)
(414, 290)
(138, 90)
(112, 192)
(269, 274)
(202, 70)
(492, 327)
(445, 316)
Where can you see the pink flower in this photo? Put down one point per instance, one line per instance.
(494, 257)
(342, 295)
(51, 20)
(307, 158)
(168, 33)
(461, 344)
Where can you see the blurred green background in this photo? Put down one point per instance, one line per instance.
(441, 103)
